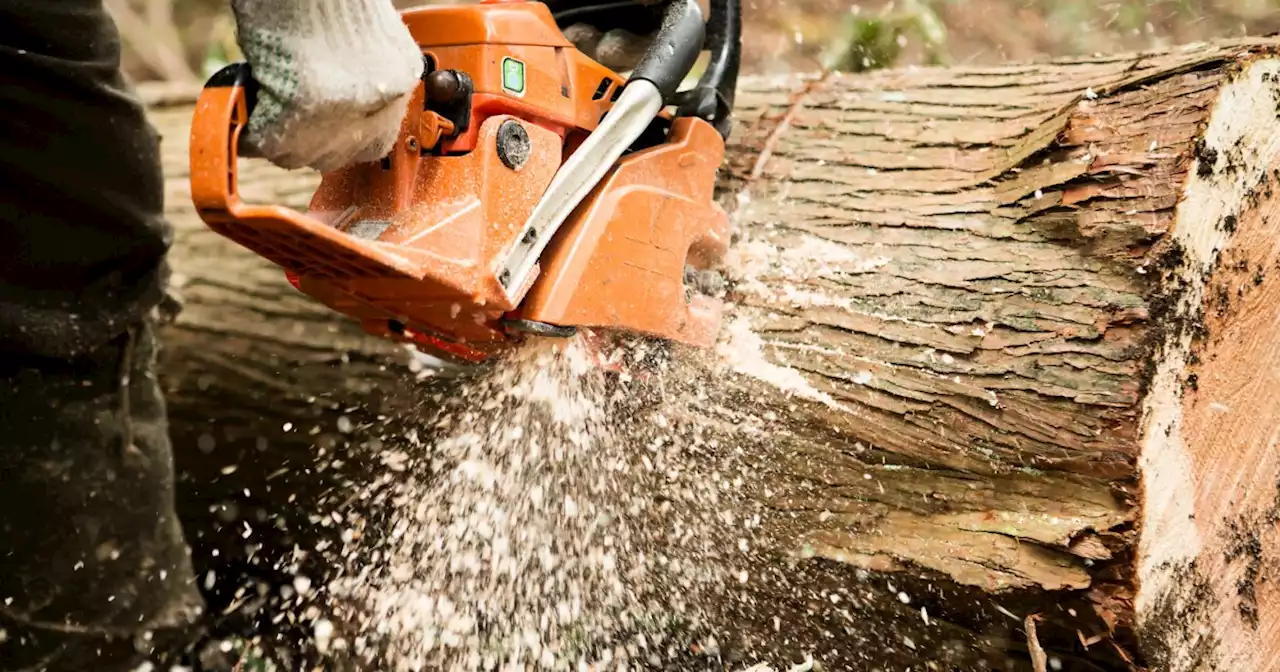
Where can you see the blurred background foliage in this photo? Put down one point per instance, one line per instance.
(181, 40)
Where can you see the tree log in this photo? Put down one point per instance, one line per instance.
(1001, 357)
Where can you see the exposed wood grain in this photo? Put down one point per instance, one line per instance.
(1231, 419)
(951, 296)
(1209, 457)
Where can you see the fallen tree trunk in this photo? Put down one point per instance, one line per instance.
(1001, 355)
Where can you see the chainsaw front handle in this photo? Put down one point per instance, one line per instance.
(712, 98)
(674, 49)
(222, 112)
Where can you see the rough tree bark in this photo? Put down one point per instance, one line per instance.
(1002, 352)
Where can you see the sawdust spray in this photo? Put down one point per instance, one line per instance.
(542, 519)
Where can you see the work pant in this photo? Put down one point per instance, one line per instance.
(94, 570)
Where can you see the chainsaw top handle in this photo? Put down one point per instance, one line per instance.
(712, 98)
(674, 49)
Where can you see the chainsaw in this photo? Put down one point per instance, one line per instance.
(532, 191)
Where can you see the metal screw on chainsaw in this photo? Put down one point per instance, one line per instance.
(513, 144)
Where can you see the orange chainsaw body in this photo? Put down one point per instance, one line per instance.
(410, 246)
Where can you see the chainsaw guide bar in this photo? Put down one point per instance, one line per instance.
(532, 190)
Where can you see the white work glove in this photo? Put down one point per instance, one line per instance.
(335, 77)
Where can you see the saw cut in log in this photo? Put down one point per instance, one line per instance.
(1002, 351)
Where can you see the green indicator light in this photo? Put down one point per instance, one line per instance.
(513, 76)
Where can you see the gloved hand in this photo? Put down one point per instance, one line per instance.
(334, 78)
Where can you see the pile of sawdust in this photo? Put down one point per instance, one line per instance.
(540, 520)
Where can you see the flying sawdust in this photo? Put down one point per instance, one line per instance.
(529, 532)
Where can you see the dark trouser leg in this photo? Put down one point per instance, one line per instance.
(94, 570)
(93, 555)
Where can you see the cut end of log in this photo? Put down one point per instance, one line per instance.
(1210, 460)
